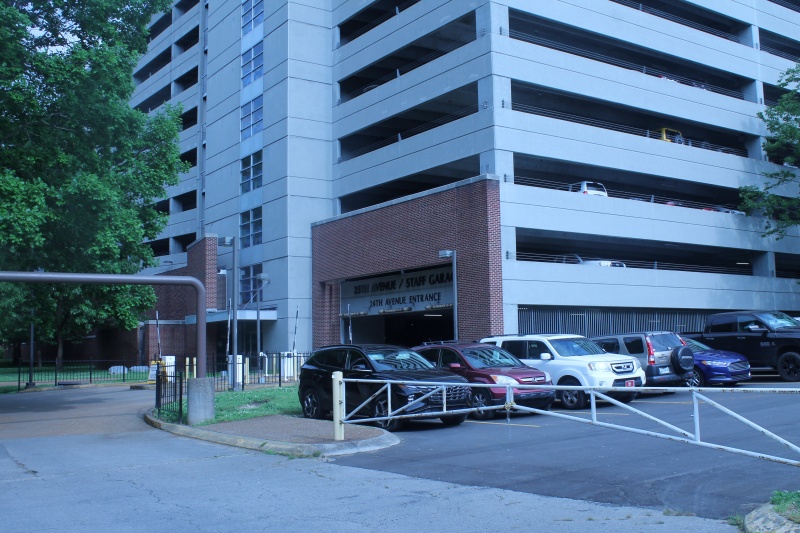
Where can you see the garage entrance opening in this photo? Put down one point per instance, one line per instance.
(404, 329)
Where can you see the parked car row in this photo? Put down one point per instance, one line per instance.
(629, 361)
(595, 188)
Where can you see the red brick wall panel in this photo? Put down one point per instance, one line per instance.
(409, 235)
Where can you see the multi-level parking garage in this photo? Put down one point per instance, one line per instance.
(355, 147)
(658, 101)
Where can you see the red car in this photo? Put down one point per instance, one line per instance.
(486, 363)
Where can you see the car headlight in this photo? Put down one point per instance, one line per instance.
(547, 377)
(636, 365)
(715, 363)
(504, 380)
(600, 367)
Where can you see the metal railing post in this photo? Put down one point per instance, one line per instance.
(179, 377)
(696, 417)
(338, 406)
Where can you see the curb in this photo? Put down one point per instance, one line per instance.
(766, 520)
(270, 446)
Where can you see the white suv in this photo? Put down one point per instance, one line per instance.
(575, 360)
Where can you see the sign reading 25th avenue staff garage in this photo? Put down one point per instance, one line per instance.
(422, 290)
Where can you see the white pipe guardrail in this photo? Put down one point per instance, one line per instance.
(699, 394)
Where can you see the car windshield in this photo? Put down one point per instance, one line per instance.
(490, 357)
(398, 360)
(778, 320)
(572, 347)
(696, 345)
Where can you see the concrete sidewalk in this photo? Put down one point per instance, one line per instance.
(285, 434)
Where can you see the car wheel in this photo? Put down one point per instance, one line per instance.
(682, 359)
(380, 409)
(789, 366)
(627, 398)
(311, 404)
(696, 378)
(481, 398)
(455, 420)
(572, 399)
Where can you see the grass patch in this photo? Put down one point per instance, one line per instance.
(242, 405)
(737, 521)
(787, 504)
(8, 389)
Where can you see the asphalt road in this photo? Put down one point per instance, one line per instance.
(84, 460)
(543, 455)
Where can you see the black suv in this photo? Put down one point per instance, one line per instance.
(486, 363)
(379, 362)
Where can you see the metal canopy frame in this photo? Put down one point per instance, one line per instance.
(122, 279)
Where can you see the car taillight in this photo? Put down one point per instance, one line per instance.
(682, 341)
(651, 354)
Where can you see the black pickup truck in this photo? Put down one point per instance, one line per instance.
(769, 339)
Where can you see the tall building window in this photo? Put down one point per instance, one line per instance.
(252, 14)
(252, 117)
(253, 64)
(249, 282)
(250, 228)
(252, 171)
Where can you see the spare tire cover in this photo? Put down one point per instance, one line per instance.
(683, 359)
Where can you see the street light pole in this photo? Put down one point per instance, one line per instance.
(452, 255)
(231, 241)
(262, 279)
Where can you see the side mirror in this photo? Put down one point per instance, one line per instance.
(545, 356)
(359, 366)
(756, 327)
(454, 366)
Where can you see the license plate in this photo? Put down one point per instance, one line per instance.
(630, 383)
(663, 370)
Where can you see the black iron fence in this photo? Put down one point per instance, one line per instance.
(169, 395)
(249, 370)
(246, 371)
(49, 374)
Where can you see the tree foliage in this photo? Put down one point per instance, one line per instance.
(779, 199)
(80, 170)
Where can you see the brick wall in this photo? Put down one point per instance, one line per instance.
(409, 235)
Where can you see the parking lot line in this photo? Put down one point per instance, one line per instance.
(504, 423)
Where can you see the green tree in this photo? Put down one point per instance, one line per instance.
(80, 170)
(778, 199)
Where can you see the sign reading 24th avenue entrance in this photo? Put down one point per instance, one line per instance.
(410, 291)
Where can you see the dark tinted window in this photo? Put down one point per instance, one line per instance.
(609, 345)
(357, 360)
(536, 349)
(722, 324)
(449, 356)
(335, 357)
(516, 348)
(634, 345)
(432, 355)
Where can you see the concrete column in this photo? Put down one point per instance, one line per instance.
(764, 265)
(500, 163)
(494, 92)
(200, 400)
(491, 18)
